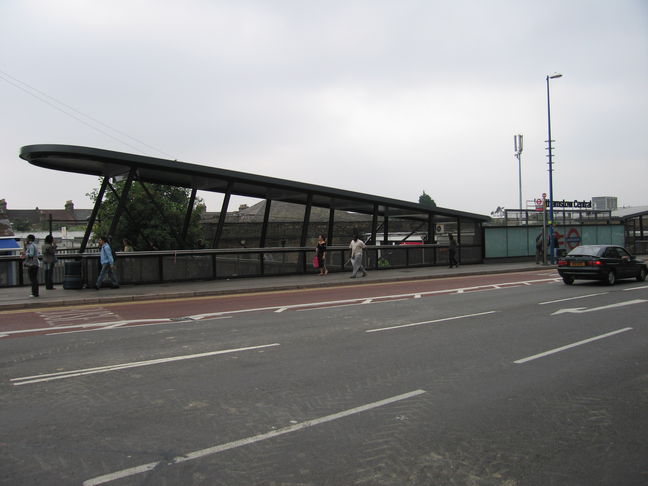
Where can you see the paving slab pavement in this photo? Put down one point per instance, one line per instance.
(18, 297)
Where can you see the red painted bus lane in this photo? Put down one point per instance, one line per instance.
(27, 322)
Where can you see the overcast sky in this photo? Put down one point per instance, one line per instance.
(391, 98)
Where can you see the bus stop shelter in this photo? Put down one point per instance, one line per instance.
(113, 166)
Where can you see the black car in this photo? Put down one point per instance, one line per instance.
(607, 263)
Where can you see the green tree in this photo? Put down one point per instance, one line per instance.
(21, 225)
(150, 225)
(426, 200)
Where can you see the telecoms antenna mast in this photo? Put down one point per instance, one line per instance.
(517, 141)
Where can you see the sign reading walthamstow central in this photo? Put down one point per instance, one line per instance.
(570, 204)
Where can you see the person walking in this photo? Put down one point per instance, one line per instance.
(539, 244)
(49, 259)
(128, 246)
(32, 264)
(107, 264)
(321, 255)
(452, 251)
(357, 246)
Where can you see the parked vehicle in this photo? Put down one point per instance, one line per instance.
(607, 263)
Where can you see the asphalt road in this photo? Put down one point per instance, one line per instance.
(515, 380)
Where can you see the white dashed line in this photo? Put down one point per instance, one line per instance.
(430, 322)
(190, 456)
(569, 346)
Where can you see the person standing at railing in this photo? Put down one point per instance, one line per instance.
(321, 255)
(32, 264)
(49, 259)
(357, 246)
(128, 246)
(452, 251)
(107, 264)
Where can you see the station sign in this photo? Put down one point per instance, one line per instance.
(575, 204)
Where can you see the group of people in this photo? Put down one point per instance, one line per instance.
(356, 246)
(32, 261)
(107, 260)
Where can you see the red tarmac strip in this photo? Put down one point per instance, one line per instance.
(27, 322)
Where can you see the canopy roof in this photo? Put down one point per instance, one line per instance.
(105, 163)
(630, 213)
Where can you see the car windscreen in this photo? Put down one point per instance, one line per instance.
(586, 250)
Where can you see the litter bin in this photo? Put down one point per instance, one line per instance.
(72, 275)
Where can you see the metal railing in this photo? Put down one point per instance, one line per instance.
(190, 265)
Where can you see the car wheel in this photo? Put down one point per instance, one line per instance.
(568, 280)
(642, 275)
(611, 278)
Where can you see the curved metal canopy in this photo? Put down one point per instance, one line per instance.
(106, 163)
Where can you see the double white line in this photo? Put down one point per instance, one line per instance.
(27, 380)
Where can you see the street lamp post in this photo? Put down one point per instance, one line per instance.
(517, 142)
(551, 198)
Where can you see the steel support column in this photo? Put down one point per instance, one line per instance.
(386, 226)
(374, 225)
(133, 219)
(264, 234)
(222, 215)
(187, 221)
(459, 240)
(122, 202)
(93, 216)
(307, 214)
(331, 224)
(264, 226)
(304, 234)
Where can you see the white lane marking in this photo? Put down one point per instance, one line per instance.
(190, 456)
(100, 325)
(581, 310)
(636, 288)
(572, 298)
(326, 307)
(361, 300)
(154, 322)
(412, 324)
(26, 380)
(569, 346)
(54, 318)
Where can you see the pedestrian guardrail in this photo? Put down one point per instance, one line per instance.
(148, 267)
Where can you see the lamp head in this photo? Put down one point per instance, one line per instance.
(555, 75)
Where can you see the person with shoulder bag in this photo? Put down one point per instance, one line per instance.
(32, 264)
(49, 259)
(320, 255)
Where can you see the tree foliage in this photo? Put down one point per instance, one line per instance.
(146, 224)
(426, 200)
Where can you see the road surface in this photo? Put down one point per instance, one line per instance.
(505, 380)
